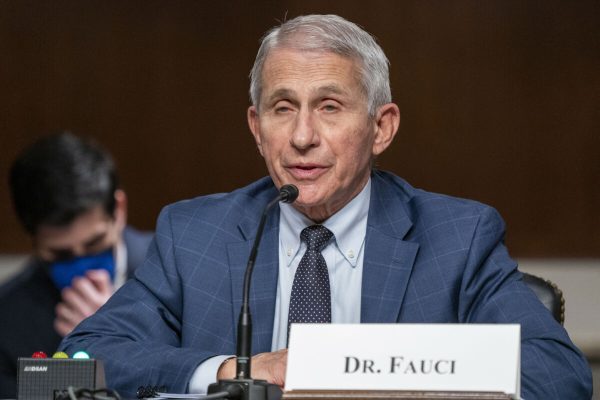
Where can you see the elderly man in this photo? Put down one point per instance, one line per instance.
(363, 244)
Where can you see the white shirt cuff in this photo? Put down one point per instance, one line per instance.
(205, 374)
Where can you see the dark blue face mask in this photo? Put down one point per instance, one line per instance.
(63, 272)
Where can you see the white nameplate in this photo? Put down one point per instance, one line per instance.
(419, 357)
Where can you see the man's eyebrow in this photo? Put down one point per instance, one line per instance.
(95, 239)
(282, 93)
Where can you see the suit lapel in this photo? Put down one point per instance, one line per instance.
(388, 259)
(263, 286)
(387, 265)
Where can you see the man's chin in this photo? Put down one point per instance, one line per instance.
(308, 196)
(313, 208)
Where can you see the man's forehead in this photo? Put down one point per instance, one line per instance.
(286, 70)
(279, 57)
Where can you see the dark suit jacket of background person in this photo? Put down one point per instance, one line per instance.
(27, 305)
(428, 258)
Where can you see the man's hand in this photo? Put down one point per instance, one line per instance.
(85, 296)
(267, 366)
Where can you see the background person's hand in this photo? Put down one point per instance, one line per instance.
(82, 299)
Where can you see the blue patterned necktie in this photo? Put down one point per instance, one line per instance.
(311, 295)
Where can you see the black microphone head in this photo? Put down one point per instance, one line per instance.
(288, 193)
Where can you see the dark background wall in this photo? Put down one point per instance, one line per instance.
(499, 100)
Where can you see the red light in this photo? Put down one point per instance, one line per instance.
(39, 354)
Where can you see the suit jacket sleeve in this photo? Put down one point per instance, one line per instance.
(138, 331)
(492, 291)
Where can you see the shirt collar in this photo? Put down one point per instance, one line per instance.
(349, 225)
(120, 254)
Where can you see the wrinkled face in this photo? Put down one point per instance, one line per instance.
(89, 233)
(313, 128)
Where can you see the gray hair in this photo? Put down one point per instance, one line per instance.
(329, 33)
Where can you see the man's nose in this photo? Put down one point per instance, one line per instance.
(305, 133)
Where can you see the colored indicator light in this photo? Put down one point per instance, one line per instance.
(60, 354)
(39, 354)
(82, 355)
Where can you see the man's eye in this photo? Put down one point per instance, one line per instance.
(329, 108)
(283, 107)
(62, 255)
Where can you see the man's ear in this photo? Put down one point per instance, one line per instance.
(254, 124)
(120, 208)
(386, 122)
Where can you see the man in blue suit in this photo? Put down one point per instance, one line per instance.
(321, 113)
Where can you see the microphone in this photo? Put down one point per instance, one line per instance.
(243, 386)
(288, 193)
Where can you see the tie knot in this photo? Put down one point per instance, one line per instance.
(316, 237)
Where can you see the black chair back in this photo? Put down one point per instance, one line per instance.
(549, 294)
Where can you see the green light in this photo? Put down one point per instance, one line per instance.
(82, 355)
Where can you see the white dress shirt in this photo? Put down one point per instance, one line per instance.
(343, 255)
(120, 254)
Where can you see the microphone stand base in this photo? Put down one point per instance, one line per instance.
(246, 389)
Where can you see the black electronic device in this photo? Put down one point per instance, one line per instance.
(49, 378)
(243, 387)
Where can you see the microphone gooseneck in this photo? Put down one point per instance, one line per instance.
(287, 194)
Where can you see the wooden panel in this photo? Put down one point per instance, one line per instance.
(390, 394)
(499, 100)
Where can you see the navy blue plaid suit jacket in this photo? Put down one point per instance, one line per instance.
(428, 258)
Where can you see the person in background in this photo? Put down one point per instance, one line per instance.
(65, 191)
(358, 245)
